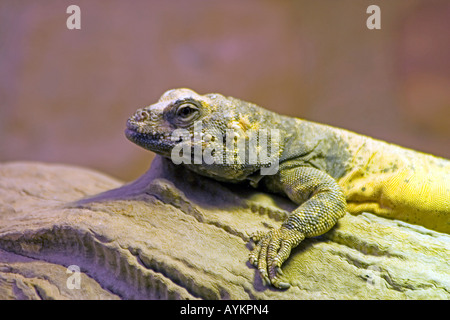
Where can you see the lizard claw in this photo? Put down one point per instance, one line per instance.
(271, 250)
(279, 271)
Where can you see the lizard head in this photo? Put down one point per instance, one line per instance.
(152, 127)
(210, 134)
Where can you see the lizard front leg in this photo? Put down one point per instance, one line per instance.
(322, 203)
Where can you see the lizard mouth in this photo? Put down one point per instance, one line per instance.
(157, 142)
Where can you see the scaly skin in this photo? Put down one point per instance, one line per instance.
(325, 170)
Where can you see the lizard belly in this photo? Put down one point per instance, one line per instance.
(416, 191)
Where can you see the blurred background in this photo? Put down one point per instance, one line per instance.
(65, 94)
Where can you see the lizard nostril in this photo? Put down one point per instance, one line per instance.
(141, 115)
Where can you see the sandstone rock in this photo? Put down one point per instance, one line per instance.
(174, 235)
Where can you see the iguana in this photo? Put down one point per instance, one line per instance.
(325, 170)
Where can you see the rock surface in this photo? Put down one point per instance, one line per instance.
(174, 235)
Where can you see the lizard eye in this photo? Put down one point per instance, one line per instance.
(187, 111)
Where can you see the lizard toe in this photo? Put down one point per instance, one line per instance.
(273, 248)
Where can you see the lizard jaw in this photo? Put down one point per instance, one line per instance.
(151, 141)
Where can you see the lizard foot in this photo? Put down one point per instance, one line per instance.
(271, 250)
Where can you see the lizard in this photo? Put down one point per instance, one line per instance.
(326, 171)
